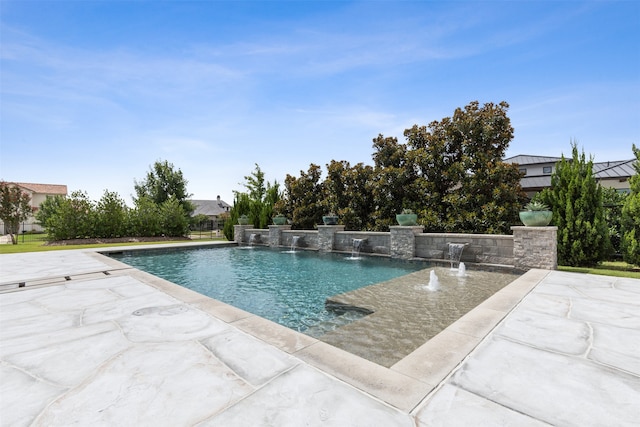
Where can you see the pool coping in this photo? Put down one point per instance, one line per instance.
(404, 385)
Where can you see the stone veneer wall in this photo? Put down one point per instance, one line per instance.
(480, 248)
(528, 247)
(535, 247)
(375, 242)
(403, 241)
(307, 239)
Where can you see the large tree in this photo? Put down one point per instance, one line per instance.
(349, 193)
(303, 198)
(15, 207)
(392, 181)
(631, 217)
(489, 195)
(451, 172)
(161, 183)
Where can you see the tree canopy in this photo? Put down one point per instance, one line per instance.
(15, 207)
(161, 183)
(450, 172)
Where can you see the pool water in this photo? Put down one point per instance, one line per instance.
(289, 288)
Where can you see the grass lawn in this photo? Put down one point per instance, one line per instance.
(607, 268)
(39, 246)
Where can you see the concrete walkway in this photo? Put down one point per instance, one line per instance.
(89, 341)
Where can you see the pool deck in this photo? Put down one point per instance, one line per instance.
(91, 341)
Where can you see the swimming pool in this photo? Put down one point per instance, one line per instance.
(285, 287)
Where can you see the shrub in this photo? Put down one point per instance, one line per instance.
(576, 201)
(630, 245)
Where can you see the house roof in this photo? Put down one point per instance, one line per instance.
(617, 169)
(525, 159)
(43, 188)
(540, 181)
(601, 170)
(210, 207)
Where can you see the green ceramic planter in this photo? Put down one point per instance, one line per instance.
(536, 218)
(407, 219)
(279, 220)
(330, 220)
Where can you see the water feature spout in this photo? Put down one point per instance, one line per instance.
(357, 246)
(254, 238)
(455, 252)
(294, 242)
(434, 282)
(462, 270)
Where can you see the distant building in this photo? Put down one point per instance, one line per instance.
(538, 171)
(213, 209)
(38, 194)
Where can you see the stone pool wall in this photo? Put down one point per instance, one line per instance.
(480, 248)
(528, 247)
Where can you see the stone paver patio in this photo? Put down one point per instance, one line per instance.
(90, 341)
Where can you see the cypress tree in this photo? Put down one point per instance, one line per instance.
(630, 245)
(576, 200)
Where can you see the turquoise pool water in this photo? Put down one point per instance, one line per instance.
(287, 288)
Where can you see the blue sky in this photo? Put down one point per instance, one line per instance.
(93, 93)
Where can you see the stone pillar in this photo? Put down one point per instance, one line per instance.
(326, 236)
(275, 234)
(403, 240)
(535, 247)
(238, 233)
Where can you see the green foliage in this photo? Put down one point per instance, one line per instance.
(575, 198)
(74, 217)
(630, 226)
(451, 173)
(305, 198)
(14, 207)
(199, 221)
(161, 208)
(48, 209)
(110, 216)
(349, 194)
(261, 196)
(175, 222)
(241, 206)
(536, 205)
(163, 182)
(613, 201)
(393, 181)
(488, 197)
(145, 218)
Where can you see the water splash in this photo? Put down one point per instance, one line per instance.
(462, 270)
(434, 282)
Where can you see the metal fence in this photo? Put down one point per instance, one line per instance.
(25, 227)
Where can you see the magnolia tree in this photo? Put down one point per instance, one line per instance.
(15, 207)
(450, 173)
